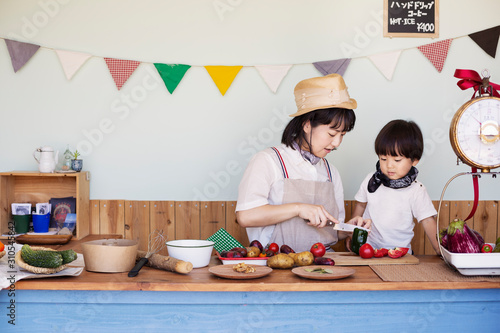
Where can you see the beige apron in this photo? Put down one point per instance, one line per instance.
(295, 232)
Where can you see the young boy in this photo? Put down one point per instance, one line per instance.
(391, 197)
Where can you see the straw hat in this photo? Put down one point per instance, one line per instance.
(322, 92)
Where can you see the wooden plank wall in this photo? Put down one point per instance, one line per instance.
(201, 219)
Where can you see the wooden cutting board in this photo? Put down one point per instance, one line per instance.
(351, 259)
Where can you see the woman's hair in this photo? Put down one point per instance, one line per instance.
(400, 137)
(338, 118)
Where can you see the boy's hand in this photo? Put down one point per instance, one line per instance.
(360, 222)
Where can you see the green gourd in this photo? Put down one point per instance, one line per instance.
(68, 256)
(41, 258)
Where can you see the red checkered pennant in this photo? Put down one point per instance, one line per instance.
(121, 70)
(436, 52)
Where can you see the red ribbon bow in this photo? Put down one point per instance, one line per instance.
(471, 79)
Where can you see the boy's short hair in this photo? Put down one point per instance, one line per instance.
(400, 137)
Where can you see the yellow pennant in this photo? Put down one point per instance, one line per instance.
(223, 76)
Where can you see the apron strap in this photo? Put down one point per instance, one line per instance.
(283, 167)
(328, 171)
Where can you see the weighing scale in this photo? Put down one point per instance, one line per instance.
(475, 139)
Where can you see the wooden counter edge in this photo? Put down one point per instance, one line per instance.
(250, 287)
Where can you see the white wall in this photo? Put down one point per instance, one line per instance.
(195, 143)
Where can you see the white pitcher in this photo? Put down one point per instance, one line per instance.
(47, 161)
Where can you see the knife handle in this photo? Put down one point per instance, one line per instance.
(134, 271)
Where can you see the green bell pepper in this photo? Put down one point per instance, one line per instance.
(359, 237)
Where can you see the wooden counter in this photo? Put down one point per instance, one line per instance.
(200, 279)
(201, 301)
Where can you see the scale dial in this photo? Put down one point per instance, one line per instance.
(475, 133)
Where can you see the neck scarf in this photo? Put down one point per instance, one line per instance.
(379, 178)
(313, 159)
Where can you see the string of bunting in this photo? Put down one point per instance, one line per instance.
(223, 76)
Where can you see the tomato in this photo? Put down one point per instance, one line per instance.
(379, 253)
(318, 250)
(366, 251)
(395, 253)
(274, 247)
(1, 246)
(487, 248)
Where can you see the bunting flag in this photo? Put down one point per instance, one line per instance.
(121, 70)
(386, 62)
(487, 40)
(436, 52)
(71, 61)
(20, 53)
(338, 66)
(223, 76)
(171, 74)
(273, 75)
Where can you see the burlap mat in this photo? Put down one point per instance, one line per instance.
(425, 272)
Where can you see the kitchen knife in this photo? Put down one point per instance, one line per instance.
(345, 227)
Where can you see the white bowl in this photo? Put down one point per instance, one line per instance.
(196, 251)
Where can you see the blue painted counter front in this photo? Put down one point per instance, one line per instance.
(467, 310)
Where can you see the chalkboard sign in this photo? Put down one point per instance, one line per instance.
(409, 18)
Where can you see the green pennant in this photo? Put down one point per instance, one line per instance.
(171, 74)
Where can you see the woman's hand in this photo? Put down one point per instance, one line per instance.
(315, 215)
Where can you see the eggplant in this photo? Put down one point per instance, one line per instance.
(479, 237)
(462, 239)
(286, 249)
(443, 238)
(324, 261)
(256, 243)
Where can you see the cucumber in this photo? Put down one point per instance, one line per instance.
(40, 258)
(68, 256)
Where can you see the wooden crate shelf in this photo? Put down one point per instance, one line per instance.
(35, 187)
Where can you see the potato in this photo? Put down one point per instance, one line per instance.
(305, 258)
(252, 252)
(280, 260)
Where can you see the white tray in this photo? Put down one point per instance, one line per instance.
(473, 263)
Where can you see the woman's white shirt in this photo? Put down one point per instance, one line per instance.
(263, 180)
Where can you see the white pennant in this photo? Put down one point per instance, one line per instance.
(71, 61)
(386, 62)
(273, 75)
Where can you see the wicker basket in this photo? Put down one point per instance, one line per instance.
(2, 254)
(37, 270)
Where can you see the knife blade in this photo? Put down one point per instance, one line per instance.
(345, 227)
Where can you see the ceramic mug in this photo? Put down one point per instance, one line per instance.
(41, 222)
(21, 223)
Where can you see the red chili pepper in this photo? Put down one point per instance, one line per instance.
(487, 248)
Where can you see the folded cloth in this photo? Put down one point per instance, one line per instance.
(223, 241)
